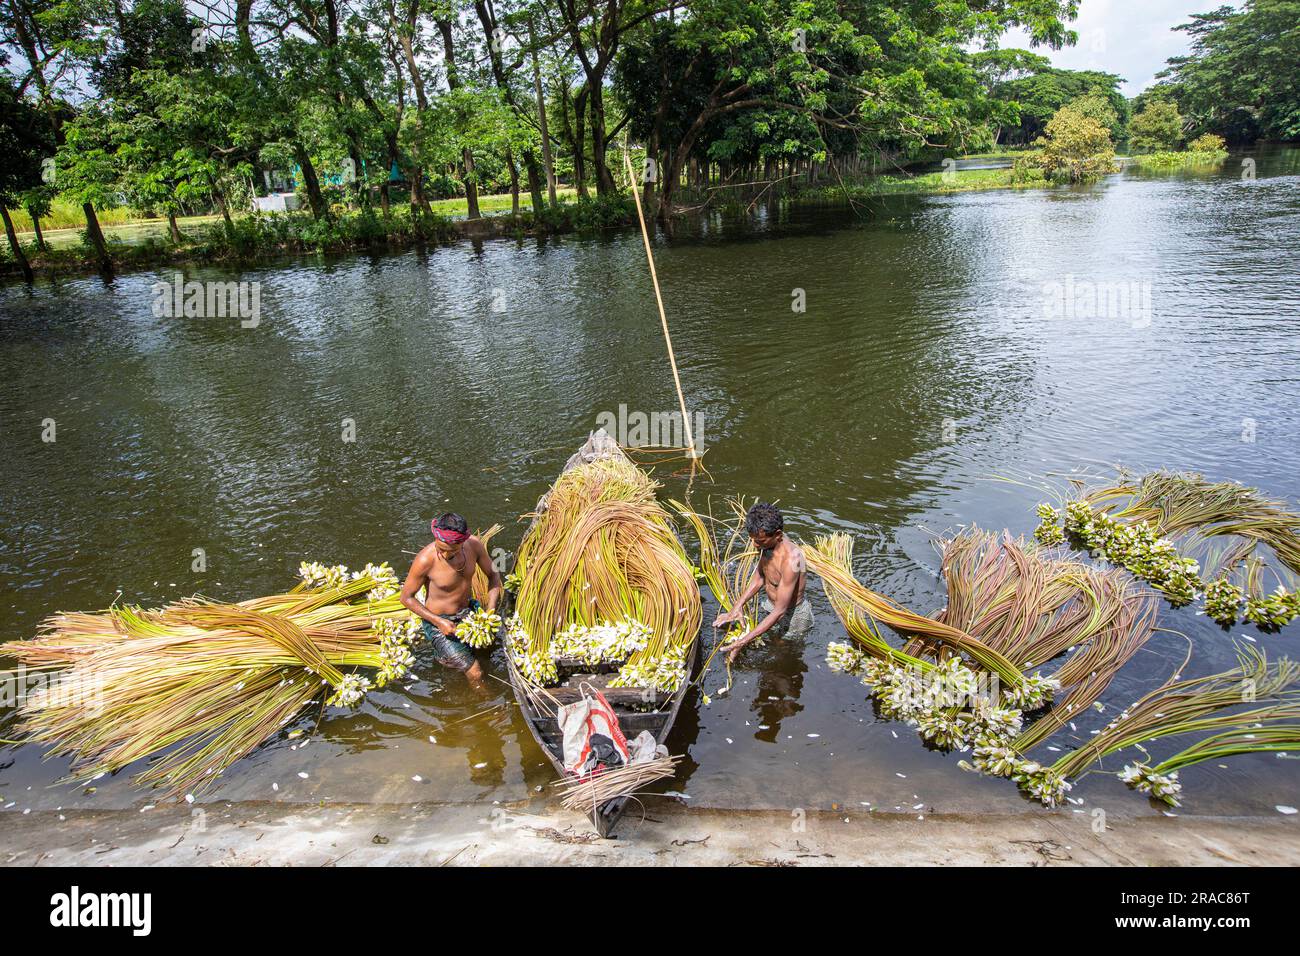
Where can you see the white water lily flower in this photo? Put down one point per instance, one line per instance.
(1161, 786)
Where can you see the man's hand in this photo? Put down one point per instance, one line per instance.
(731, 617)
(447, 627)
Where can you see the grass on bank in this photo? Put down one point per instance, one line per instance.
(253, 237)
(62, 228)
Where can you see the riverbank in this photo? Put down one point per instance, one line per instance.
(261, 239)
(251, 834)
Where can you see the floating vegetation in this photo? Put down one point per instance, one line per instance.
(1033, 604)
(602, 550)
(1187, 537)
(198, 684)
(1016, 601)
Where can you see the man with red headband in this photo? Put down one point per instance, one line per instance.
(445, 569)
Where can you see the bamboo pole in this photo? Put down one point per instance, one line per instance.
(663, 319)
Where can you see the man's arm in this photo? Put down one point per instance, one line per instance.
(733, 615)
(784, 598)
(493, 575)
(415, 579)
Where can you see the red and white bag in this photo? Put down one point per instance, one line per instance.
(592, 738)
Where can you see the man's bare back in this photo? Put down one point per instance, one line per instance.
(783, 561)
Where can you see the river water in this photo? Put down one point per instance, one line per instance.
(926, 364)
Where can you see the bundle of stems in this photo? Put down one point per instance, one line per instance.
(726, 570)
(860, 609)
(600, 549)
(1185, 503)
(1213, 703)
(588, 792)
(1033, 604)
(1254, 736)
(199, 684)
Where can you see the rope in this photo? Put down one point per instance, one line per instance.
(663, 319)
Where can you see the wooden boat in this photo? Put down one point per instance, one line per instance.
(637, 709)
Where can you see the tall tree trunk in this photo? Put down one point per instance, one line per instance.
(604, 178)
(174, 228)
(97, 238)
(541, 119)
(471, 185)
(514, 181)
(453, 83)
(319, 207)
(14, 246)
(225, 210)
(580, 141)
(534, 181)
(36, 227)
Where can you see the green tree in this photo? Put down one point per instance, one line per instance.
(1240, 78)
(1158, 126)
(27, 142)
(1075, 147)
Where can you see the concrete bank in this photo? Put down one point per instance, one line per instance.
(249, 834)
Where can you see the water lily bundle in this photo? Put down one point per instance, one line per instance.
(861, 609)
(197, 685)
(1251, 708)
(1187, 535)
(1280, 735)
(957, 690)
(479, 629)
(1033, 604)
(602, 554)
(201, 684)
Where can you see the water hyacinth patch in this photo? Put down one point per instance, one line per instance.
(1223, 601)
(1049, 531)
(1275, 611)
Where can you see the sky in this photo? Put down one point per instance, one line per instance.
(1130, 37)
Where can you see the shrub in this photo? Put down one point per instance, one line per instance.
(1076, 148)
(1208, 143)
(1159, 126)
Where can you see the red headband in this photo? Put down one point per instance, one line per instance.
(446, 536)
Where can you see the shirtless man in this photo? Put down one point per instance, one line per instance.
(445, 569)
(782, 572)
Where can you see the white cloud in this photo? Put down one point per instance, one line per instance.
(1133, 38)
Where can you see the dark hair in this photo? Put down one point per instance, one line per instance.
(450, 521)
(765, 518)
